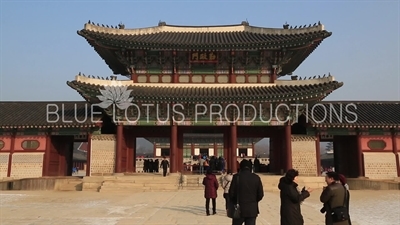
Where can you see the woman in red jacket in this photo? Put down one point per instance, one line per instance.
(211, 185)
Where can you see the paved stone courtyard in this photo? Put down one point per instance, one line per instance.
(182, 207)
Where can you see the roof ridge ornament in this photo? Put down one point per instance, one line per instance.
(161, 23)
(121, 26)
(286, 25)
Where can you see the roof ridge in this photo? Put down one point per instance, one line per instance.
(164, 27)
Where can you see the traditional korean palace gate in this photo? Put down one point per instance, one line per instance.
(178, 80)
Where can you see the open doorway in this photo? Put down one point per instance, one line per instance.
(327, 156)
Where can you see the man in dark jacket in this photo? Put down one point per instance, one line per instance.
(246, 189)
(165, 165)
(291, 199)
(333, 196)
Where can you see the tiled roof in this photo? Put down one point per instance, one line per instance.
(237, 37)
(299, 42)
(215, 94)
(39, 114)
(363, 114)
(356, 114)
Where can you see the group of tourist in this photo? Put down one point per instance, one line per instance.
(213, 163)
(150, 166)
(243, 191)
(217, 164)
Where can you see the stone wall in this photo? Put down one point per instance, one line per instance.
(4, 164)
(304, 155)
(380, 165)
(27, 165)
(102, 154)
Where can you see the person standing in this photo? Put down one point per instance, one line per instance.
(256, 165)
(335, 198)
(246, 190)
(291, 199)
(201, 165)
(210, 191)
(343, 181)
(165, 165)
(226, 183)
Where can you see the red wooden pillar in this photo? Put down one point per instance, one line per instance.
(395, 151)
(155, 150)
(273, 76)
(175, 78)
(215, 148)
(12, 148)
(253, 149)
(134, 76)
(179, 151)
(232, 78)
(133, 156)
(288, 147)
(88, 153)
(360, 160)
(318, 153)
(118, 152)
(173, 148)
(46, 157)
(227, 156)
(233, 136)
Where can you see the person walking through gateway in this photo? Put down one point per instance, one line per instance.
(246, 190)
(210, 191)
(335, 198)
(291, 199)
(165, 165)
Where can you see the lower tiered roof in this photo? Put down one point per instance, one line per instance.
(282, 91)
(355, 114)
(33, 115)
(42, 115)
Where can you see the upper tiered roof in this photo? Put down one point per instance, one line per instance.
(227, 37)
(300, 42)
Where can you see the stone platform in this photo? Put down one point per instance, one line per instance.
(178, 207)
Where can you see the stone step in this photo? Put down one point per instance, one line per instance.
(192, 188)
(144, 189)
(71, 186)
(192, 182)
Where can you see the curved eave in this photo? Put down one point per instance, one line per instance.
(274, 94)
(47, 126)
(353, 126)
(182, 42)
(299, 58)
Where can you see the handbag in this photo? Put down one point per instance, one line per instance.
(341, 213)
(234, 209)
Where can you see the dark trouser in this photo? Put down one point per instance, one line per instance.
(226, 197)
(164, 172)
(208, 205)
(246, 221)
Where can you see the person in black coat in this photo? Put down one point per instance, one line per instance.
(250, 190)
(291, 199)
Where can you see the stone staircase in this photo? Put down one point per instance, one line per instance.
(173, 182)
(136, 183)
(192, 182)
(69, 185)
